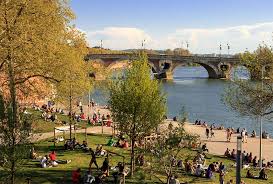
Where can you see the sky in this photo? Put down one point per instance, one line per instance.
(163, 24)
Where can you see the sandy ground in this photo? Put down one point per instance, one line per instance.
(218, 144)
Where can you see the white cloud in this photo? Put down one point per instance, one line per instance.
(205, 40)
(118, 37)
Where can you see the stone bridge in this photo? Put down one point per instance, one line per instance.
(163, 66)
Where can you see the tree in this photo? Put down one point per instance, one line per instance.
(137, 103)
(253, 98)
(254, 62)
(37, 36)
(37, 42)
(166, 148)
(248, 97)
(14, 139)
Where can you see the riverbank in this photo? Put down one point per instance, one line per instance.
(216, 145)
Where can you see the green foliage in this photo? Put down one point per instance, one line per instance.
(253, 97)
(14, 147)
(136, 102)
(249, 98)
(262, 57)
(37, 36)
(167, 147)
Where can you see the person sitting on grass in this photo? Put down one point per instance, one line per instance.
(263, 175)
(254, 161)
(33, 154)
(198, 170)
(100, 151)
(249, 174)
(44, 162)
(174, 180)
(68, 145)
(140, 160)
(52, 157)
(227, 153)
(111, 142)
(76, 176)
(125, 144)
(88, 177)
(233, 154)
(209, 173)
(230, 181)
(84, 146)
(188, 167)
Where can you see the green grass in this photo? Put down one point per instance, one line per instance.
(62, 173)
(39, 125)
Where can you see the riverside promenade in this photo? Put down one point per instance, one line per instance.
(218, 144)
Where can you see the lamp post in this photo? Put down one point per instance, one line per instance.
(220, 47)
(261, 125)
(228, 47)
(239, 160)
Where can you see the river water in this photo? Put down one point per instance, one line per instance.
(201, 98)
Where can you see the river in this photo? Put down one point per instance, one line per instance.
(201, 98)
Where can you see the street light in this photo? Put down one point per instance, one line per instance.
(228, 47)
(261, 123)
(220, 47)
(239, 160)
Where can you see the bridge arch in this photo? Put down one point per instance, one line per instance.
(211, 69)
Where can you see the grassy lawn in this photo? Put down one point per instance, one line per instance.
(41, 126)
(62, 173)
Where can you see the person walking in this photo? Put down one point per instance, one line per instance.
(207, 132)
(93, 159)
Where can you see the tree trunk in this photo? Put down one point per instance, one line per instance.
(14, 116)
(133, 151)
(168, 179)
(70, 113)
(132, 157)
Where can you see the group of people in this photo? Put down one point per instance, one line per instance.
(198, 167)
(262, 175)
(121, 143)
(51, 160)
(97, 118)
(120, 171)
(74, 144)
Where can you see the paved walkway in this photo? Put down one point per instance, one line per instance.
(93, 130)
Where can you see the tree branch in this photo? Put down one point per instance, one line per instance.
(22, 80)
(267, 113)
(2, 64)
